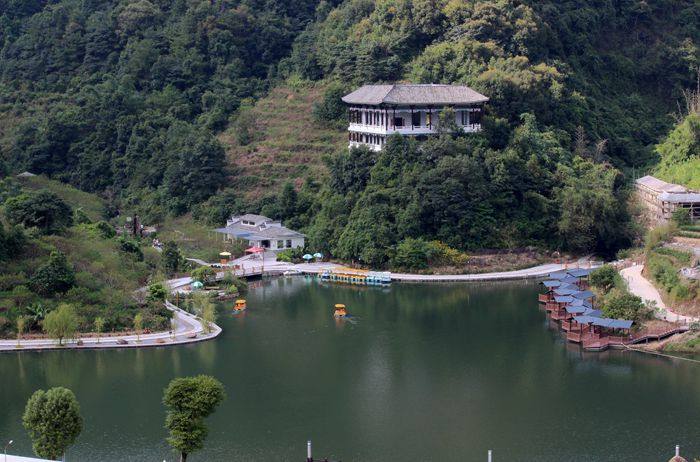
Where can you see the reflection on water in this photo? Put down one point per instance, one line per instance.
(420, 372)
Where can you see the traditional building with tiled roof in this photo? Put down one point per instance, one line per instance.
(261, 231)
(377, 111)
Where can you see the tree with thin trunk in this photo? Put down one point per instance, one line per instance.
(53, 421)
(99, 326)
(138, 326)
(208, 316)
(62, 322)
(189, 401)
(21, 325)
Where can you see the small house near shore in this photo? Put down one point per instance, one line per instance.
(662, 199)
(261, 231)
(377, 111)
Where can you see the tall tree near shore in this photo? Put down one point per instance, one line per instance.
(138, 325)
(62, 322)
(99, 326)
(190, 400)
(21, 325)
(53, 421)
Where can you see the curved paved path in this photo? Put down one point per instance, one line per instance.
(644, 289)
(188, 329)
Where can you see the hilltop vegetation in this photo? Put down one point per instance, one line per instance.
(54, 253)
(156, 106)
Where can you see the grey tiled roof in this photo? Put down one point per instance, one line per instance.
(660, 185)
(414, 94)
(680, 197)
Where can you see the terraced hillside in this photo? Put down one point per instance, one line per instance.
(288, 144)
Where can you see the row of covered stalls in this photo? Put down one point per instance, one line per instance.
(569, 301)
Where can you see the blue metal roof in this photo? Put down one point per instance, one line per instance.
(604, 322)
(559, 275)
(593, 313)
(580, 272)
(583, 294)
(576, 309)
(551, 284)
(564, 291)
(563, 298)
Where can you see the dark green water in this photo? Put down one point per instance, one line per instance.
(426, 372)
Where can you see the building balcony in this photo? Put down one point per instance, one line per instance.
(410, 130)
(357, 144)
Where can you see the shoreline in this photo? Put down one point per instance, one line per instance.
(187, 325)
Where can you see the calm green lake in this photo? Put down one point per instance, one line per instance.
(422, 372)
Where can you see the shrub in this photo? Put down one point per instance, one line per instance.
(55, 277)
(660, 234)
(681, 216)
(411, 254)
(331, 112)
(604, 278)
(621, 305)
(42, 209)
(204, 274)
(9, 281)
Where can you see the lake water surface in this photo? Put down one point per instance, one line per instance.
(422, 372)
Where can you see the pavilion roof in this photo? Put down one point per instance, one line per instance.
(414, 94)
(563, 298)
(580, 272)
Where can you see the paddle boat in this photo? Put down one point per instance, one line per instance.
(340, 311)
(239, 306)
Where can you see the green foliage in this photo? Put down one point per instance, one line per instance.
(54, 277)
(332, 112)
(12, 241)
(43, 210)
(61, 323)
(131, 247)
(658, 235)
(623, 305)
(592, 208)
(411, 254)
(157, 292)
(681, 216)
(680, 153)
(604, 278)
(189, 401)
(53, 421)
(203, 274)
(171, 259)
(135, 89)
(681, 256)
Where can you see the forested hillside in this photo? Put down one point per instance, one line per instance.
(127, 99)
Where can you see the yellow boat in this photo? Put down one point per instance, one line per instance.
(239, 306)
(340, 311)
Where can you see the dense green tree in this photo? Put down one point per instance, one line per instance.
(43, 210)
(604, 278)
(12, 241)
(53, 421)
(625, 306)
(171, 259)
(189, 401)
(56, 276)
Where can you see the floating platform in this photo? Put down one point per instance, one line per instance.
(356, 276)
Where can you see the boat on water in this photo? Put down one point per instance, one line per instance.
(239, 306)
(340, 311)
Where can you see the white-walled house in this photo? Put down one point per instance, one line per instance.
(261, 231)
(377, 111)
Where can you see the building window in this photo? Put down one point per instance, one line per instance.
(415, 119)
(398, 121)
(465, 117)
(429, 119)
(476, 117)
(289, 243)
(280, 244)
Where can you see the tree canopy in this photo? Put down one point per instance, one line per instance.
(53, 421)
(189, 401)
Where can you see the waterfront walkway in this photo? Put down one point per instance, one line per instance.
(644, 289)
(188, 329)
